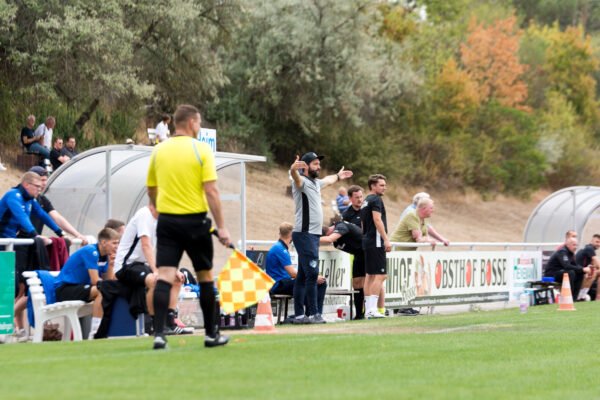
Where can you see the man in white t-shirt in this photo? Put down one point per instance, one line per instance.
(135, 263)
(162, 129)
(46, 130)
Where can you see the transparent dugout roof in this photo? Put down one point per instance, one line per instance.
(569, 208)
(110, 182)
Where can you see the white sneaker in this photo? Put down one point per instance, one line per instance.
(2, 167)
(374, 315)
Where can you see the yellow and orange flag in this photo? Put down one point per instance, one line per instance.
(242, 283)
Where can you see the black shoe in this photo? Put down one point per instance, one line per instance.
(358, 318)
(160, 343)
(408, 311)
(218, 340)
(300, 321)
(177, 330)
(316, 319)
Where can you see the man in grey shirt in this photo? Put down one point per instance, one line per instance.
(306, 190)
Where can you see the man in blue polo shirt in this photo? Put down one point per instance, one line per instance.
(280, 268)
(84, 271)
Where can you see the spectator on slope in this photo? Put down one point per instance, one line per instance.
(162, 129)
(69, 149)
(56, 158)
(342, 200)
(32, 143)
(45, 131)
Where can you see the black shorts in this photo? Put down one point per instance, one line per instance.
(358, 265)
(73, 292)
(178, 233)
(134, 274)
(375, 262)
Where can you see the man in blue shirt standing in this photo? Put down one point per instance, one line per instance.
(84, 271)
(279, 267)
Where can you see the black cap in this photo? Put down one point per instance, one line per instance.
(41, 171)
(310, 157)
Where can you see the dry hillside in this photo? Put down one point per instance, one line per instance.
(460, 217)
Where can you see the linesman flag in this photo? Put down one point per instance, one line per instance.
(242, 283)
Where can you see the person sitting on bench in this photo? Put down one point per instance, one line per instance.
(83, 273)
(279, 267)
(563, 261)
(135, 265)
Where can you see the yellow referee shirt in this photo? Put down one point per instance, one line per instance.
(178, 168)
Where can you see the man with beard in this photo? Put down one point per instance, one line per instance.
(306, 191)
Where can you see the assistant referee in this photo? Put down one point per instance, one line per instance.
(182, 183)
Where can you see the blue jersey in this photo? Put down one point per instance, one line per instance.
(16, 206)
(75, 270)
(278, 258)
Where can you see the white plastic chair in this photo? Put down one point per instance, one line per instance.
(69, 310)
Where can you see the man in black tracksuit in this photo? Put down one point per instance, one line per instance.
(563, 261)
(347, 237)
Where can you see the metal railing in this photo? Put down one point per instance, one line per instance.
(470, 245)
(11, 243)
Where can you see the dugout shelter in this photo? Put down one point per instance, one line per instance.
(573, 208)
(110, 182)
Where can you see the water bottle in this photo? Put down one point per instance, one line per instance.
(524, 302)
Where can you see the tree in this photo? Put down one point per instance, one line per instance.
(302, 67)
(490, 57)
(455, 98)
(585, 13)
(570, 64)
(116, 53)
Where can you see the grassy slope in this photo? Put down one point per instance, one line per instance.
(487, 355)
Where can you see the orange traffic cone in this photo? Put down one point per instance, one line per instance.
(264, 316)
(566, 299)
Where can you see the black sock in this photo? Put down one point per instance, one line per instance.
(207, 303)
(162, 293)
(359, 302)
(171, 315)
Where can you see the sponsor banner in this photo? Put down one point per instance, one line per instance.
(436, 278)
(336, 265)
(455, 299)
(526, 266)
(208, 136)
(7, 292)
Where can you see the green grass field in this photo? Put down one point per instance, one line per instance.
(543, 354)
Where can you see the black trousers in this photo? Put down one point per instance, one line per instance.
(575, 279)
